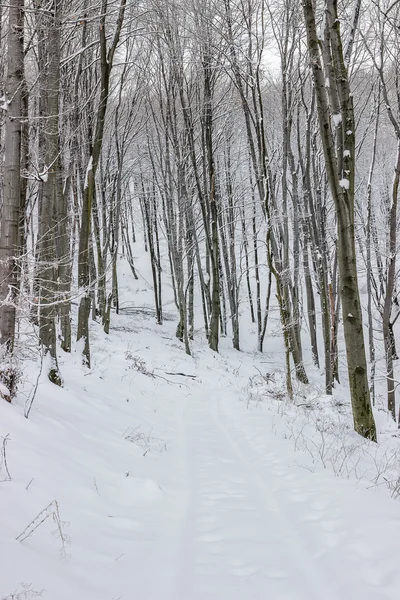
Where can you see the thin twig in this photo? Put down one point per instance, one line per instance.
(30, 401)
(4, 458)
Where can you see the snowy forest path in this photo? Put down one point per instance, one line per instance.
(175, 486)
(243, 536)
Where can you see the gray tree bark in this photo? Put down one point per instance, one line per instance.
(12, 176)
(52, 193)
(340, 168)
(106, 64)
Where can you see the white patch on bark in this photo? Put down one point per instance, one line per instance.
(89, 168)
(337, 119)
(344, 183)
(320, 33)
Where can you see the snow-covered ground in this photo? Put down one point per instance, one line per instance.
(169, 477)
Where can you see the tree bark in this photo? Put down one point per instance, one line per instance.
(340, 168)
(106, 64)
(12, 176)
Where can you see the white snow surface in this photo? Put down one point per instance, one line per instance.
(211, 487)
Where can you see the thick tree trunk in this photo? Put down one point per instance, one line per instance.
(12, 176)
(340, 170)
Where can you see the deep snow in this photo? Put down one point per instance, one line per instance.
(213, 487)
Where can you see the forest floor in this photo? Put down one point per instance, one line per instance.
(169, 477)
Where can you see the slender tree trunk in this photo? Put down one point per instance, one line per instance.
(390, 284)
(247, 267)
(106, 63)
(371, 342)
(48, 226)
(213, 337)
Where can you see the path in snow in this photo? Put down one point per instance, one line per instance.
(258, 529)
(227, 511)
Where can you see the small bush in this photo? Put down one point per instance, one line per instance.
(10, 376)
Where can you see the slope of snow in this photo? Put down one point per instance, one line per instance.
(172, 479)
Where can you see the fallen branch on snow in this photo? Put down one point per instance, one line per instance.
(181, 374)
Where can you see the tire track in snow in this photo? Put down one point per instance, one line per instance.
(274, 492)
(237, 542)
(346, 573)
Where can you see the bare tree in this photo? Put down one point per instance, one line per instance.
(106, 64)
(335, 103)
(9, 250)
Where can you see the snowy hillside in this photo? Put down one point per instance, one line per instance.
(160, 476)
(199, 300)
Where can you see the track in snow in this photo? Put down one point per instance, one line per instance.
(255, 530)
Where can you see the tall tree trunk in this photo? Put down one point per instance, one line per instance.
(340, 168)
(369, 228)
(390, 284)
(106, 64)
(51, 190)
(12, 176)
(213, 337)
